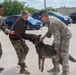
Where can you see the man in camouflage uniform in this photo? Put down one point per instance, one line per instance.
(62, 37)
(3, 27)
(18, 40)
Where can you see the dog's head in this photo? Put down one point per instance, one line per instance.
(35, 38)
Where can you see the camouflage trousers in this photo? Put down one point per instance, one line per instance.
(0, 50)
(64, 48)
(21, 49)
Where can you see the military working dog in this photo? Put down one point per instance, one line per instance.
(45, 51)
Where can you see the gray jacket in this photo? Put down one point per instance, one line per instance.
(59, 30)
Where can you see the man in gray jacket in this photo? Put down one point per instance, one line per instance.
(62, 37)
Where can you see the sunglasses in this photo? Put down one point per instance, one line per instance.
(43, 15)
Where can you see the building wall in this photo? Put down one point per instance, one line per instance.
(66, 11)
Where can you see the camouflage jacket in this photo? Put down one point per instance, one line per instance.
(59, 30)
(3, 25)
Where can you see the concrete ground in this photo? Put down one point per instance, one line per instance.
(9, 58)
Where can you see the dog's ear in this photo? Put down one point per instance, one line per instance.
(39, 35)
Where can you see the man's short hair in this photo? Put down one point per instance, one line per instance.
(42, 12)
(1, 6)
(24, 12)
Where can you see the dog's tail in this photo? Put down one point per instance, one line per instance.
(72, 59)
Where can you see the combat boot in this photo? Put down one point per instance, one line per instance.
(1, 69)
(20, 64)
(54, 70)
(23, 70)
(65, 73)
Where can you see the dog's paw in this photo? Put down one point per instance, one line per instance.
(42, 69)
(39, 67)
(1, 69)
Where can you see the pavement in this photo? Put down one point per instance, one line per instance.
(9, 58)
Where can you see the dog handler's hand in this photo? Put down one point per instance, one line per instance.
(42, 38)
(58, 52)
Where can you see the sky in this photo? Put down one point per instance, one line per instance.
(39, 4)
